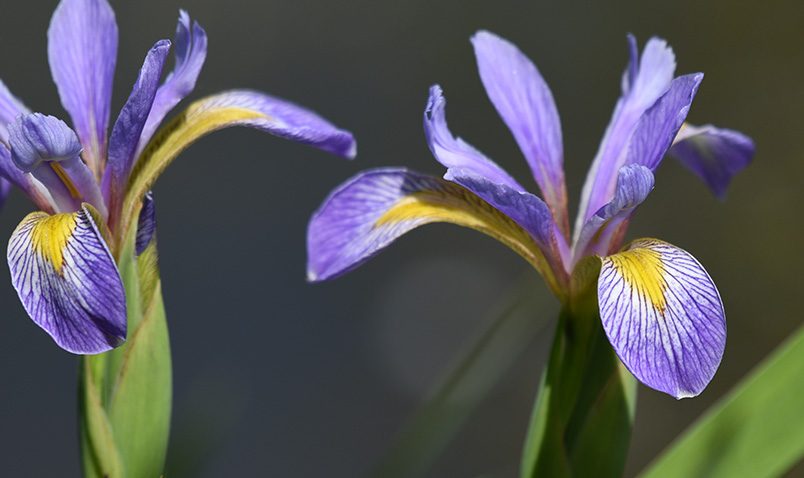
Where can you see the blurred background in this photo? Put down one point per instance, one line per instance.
(275, 377)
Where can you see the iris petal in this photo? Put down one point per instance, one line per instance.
(714, 154)
(370, 211)
(525, 103)
(603, 231)
(68, 282)
(82, 50)
(10, 108)
(190, 45)
(231, 108)
(646, 79)
(663, 315)
(129, 125)
(453, 152)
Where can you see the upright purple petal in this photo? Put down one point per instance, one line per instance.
(453, 152)
(714, 154)
(68, 282)
(661, 122)
(525, 103)
(663, 315)
(603, 231)
(190, 47)
(370, 211)
(472, 170)
(654, 72)
(82, 50)
(129, 125)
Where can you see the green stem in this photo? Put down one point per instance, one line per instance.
(125, 394)
(581, 421)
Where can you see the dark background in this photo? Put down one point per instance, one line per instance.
(275, 377)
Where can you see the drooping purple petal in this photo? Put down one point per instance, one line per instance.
(654, 72)
(602, 231)
(660, 124)
(82, 50)
(663, 315)
(146, 225)
(525, 103)
(714, 154)
(190, 47)
(370, 211)
(129, 125)
(453, 152)
(68, 282)
(48, 149)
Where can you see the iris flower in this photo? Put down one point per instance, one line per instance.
(91, 186)
(658, 306)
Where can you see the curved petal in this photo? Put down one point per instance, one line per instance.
(129, 125)
(663, 315)
(646, 79)
(191, 50)
(661, 122)
(714, 154)
(453, 152)
(368, 212)
(602, 232)
(36, 191)
(231, 108)
(472, 170)
(68, 282)
(47, 148)
(82, 51)
(525, 103)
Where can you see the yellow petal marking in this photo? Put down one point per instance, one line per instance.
(200, 118)
(459, 206)
(642, 268)
(62, 174)
(50, 234)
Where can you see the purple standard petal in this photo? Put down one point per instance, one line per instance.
(48, 149)
(660, 124)
(603, 232)
(129, 125)
(82, 50)
(370, 211)
(645, 80)
(525, 103)
(68, 282)
(190, 46)
(714, 154)
(663, 315)
(146, 225)
(453, 152)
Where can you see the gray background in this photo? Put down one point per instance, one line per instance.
(274, 377)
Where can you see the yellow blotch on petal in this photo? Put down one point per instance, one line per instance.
(456, 205)
(49, 237)
(642, 268)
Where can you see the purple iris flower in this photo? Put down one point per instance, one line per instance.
(658, 306)
(93, 188)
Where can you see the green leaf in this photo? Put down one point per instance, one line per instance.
(474, 373)
(757, 430)
(127, 392)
